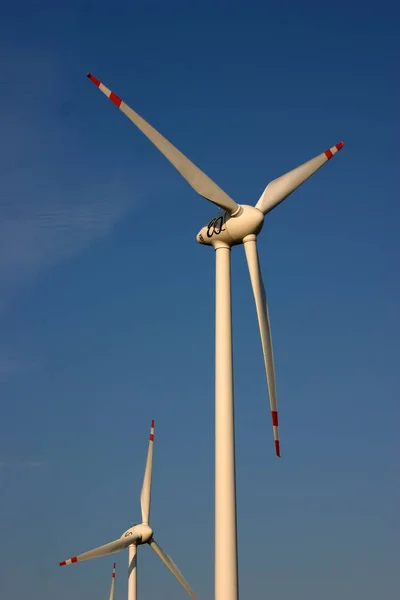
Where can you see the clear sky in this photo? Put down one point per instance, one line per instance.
(107, 302)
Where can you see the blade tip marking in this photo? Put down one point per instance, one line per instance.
(277, 449)
(115, 99)
(93, 79)
(328, 153)
(63, 563)
(152, 423)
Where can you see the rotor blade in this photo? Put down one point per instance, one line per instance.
(112, 590)
(104, 550)
(280, 188)
(199, 181)
(145, 494)
(265, 331)
(167, 560)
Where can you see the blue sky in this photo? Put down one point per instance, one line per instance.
(107, 302)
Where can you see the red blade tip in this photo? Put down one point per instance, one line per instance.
(152, 423)
(64, 562)
(277, 449)
(94, 79)
(331, 151)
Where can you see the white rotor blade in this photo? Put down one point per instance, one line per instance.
(199, 181)
(280, 188)
(104, 550)
(265, 331)
(145, 494)
(112, 590)
(167, 560)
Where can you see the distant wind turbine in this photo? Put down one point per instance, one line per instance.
(112, 589)
(135, 536)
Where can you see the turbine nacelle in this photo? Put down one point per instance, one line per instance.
(142, 531)
(231, 230)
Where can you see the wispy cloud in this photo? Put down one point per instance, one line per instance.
(24, 464)
(8, 365)
(34, 464)
(11, 365)
(36, 236)
(49, 210)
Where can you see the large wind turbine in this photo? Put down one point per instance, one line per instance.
(136, 536)
(236, 224)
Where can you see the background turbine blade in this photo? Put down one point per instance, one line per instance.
(145, 494)
(104, 550)
(167, 560)
(112, 590)
(198, 180)
(250, 247)
(280, 188)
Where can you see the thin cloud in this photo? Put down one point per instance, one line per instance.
(35, 237)
(10, 365)
(52, 207)
(25, 464)
(34, 464)
(49, 209)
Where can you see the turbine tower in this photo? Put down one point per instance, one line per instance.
(236, 224)
(135, 536)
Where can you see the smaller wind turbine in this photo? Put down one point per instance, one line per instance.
(112, 590)
(135, 536)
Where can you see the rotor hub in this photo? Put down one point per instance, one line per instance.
(231, 230)
(143, 530)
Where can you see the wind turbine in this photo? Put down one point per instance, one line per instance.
(236, 224)
(112, 590)
(135, 536)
